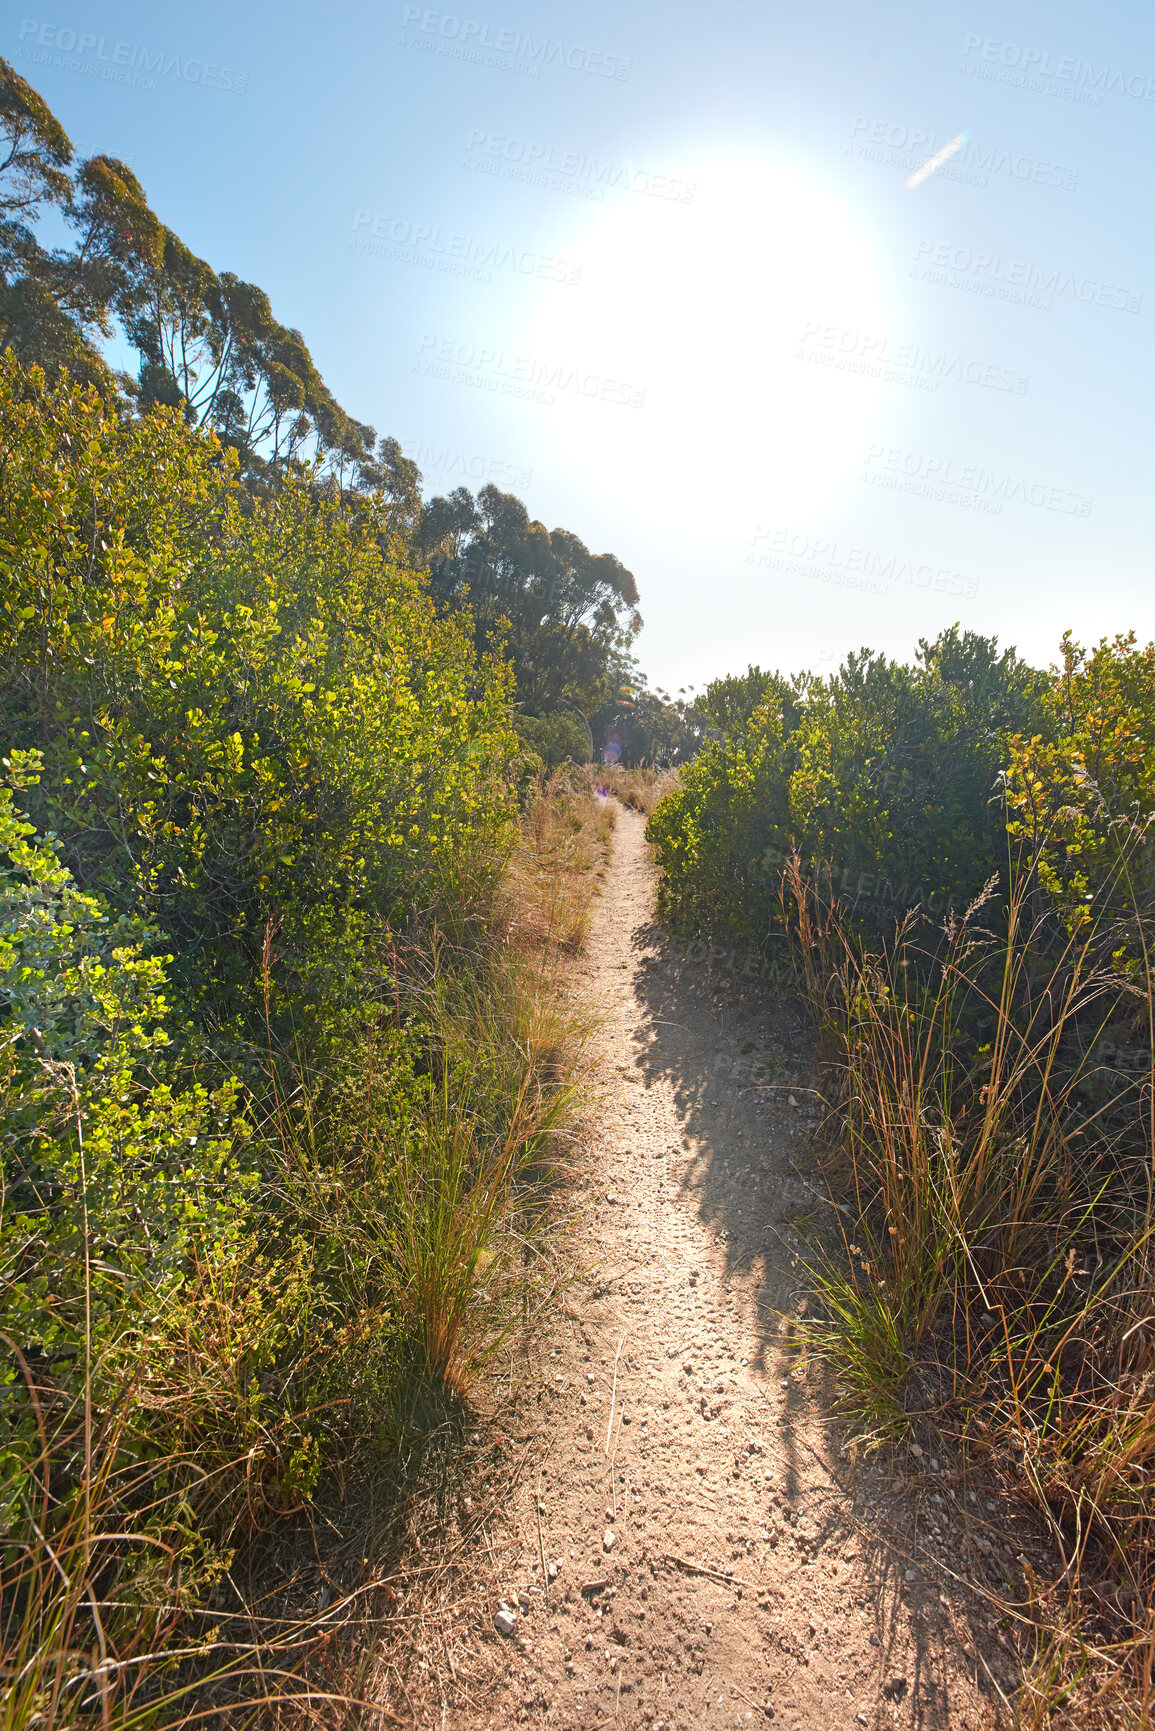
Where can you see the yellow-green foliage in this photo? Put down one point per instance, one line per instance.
(244, 709)
(1083, 793)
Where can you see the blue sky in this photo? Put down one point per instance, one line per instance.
(656, 269)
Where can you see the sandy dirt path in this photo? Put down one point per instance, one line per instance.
(684, 1545)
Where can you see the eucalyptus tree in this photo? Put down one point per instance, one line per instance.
(562, 612)
(35, 162)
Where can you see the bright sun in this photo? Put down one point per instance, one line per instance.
(706, 305)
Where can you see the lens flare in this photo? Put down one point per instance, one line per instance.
(936, 161)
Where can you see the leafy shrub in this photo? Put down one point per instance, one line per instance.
(558, 738)
(115, 1172)
(244, 712)
(885, 778)
(1081, 791)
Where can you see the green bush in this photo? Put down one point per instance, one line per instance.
(1083, 791)
(556, 739)
(245, 713)
(115, 1170)
(885, 777)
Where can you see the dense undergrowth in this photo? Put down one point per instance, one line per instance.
(286, 1066)
(953, 863)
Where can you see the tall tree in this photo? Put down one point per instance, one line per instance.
(208, 343)
(35, 158)
(120, 240)
(37, 154)
(564, 612)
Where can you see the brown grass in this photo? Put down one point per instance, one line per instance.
(640, 789)
(561, 854)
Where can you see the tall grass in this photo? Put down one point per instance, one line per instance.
(402, 1234)
(565, 833)
(640, 789)
(996, 1284)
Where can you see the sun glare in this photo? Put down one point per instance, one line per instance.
(705, 306)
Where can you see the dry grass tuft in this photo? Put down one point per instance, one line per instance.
(561, 854)
(640, 789)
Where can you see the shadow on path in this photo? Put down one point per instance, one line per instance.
(741, 1062)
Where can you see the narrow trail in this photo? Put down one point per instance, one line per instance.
(747, 1578)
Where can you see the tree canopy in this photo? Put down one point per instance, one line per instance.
(565, 613)
(208, 343)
